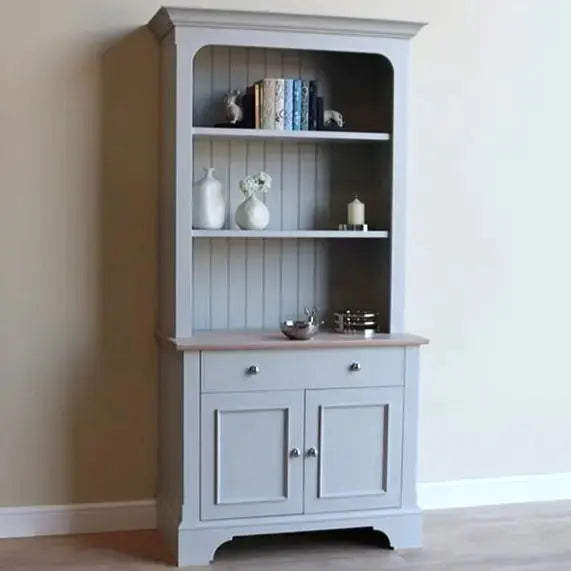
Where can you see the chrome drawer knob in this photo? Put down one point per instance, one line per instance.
(295, 453)
(312, 453)
(253, 370)
(355, 367)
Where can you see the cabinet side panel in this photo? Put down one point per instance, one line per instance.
(410, 428)
(166, 266)
(170, 429)
(400, 175)
(191, 432)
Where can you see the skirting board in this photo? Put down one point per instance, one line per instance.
(494, 491)
(77, 518)
(122, 516)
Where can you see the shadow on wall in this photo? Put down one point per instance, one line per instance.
(113, 426)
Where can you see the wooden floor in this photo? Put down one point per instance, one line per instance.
(527, 537)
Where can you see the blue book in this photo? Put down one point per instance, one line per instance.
(304, 105)
(288, 105)
(297, 104)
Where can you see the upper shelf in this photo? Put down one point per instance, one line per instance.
(289, 234)
(261, 134)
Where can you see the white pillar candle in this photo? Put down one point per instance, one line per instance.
(356, 212)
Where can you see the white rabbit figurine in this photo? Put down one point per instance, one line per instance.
(234, 112)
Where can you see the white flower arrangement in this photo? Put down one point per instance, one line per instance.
(260, 182)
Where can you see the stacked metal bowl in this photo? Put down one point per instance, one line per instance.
(356, 321)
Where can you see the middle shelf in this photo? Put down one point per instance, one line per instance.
(270, 134)
(371, 234)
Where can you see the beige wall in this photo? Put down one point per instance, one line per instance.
(487, 259)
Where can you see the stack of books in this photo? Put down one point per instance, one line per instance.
(283, 104)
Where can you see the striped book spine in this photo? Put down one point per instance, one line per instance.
(297, 104)
(268, 104)
(288, 105)
(304, 105)
(279, 104)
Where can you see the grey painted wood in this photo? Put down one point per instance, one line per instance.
(170, 397)
(365, 101)
(335, 234)
(312, 185)
(227, 282)
(272, 22)
(410, 428)
(219, 284)
(299, 179)
(272, 283)
(191, 438)
(182, 186)
(166, 202)
(201, 284)
(274, 198)
(247, 468)
(205, 133)
(358, 438)
(197, 546)
(224, 371)
(256, 284)
(237, 289)
(399, 175)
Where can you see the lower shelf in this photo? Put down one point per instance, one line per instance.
(370, 234)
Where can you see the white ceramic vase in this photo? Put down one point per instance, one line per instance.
(208, 202)
(252, 214)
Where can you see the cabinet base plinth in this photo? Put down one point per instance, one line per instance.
(198, 545)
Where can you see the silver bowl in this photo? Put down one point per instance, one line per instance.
(299, 330)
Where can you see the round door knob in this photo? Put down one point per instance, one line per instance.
(355, 367)
(295, 453)
(253, 370)
(312, 453)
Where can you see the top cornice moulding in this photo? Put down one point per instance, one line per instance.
(167, 18)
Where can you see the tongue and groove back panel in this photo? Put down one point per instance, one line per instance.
(243, 283)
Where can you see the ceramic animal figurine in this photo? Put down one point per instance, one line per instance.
(234, 112)
(332, 119)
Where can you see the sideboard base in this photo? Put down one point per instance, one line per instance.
(198, 545)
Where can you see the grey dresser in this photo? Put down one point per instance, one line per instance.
(259, 434)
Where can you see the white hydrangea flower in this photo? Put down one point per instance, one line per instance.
(259, 182)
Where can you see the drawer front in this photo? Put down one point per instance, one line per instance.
(302, 369)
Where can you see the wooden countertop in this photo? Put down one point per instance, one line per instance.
(245, 340)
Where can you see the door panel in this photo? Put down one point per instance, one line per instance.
(247, 466)
(357, 438)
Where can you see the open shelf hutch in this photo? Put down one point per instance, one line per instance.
(260, 434)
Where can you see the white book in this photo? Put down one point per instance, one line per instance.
(280, 105)
(268, 104)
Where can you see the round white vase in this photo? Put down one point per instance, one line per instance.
(252, 214)
(208, 202)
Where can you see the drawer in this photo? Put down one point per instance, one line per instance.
(301, 369)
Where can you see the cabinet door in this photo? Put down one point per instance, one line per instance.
(353, 449)
(252, 454)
